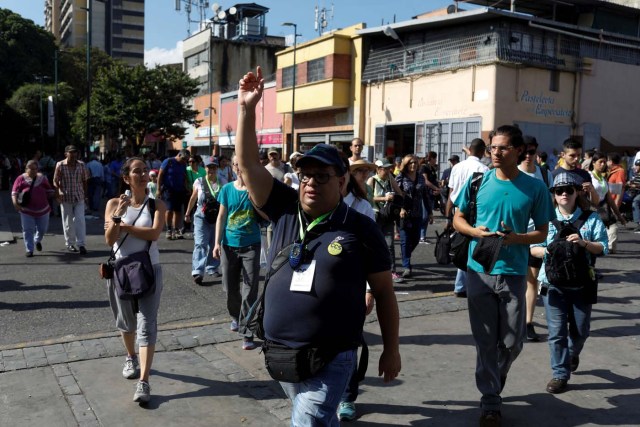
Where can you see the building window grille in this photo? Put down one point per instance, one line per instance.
(315, 70)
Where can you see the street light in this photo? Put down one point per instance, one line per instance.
(293, 88)
(89, 34)
(211, 109)
(390, 32)
(40, 79)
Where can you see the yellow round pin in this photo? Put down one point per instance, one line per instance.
(334, 248)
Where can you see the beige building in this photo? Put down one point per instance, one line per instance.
(117, 26)
(446, 79)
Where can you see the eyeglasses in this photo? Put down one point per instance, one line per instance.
(500, 148)
(561, 190)
(531, 152)
(319, 177)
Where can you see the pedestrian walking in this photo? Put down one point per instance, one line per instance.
(314, 306)
(568, 305)
(172, 188)
(204, 199)
(70, 179)
(496, 274)
(130, 227)
(34, 214)
(237, 245)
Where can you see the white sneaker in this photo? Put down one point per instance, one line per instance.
(131, 369)
(143, 392)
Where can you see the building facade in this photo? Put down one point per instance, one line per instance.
(117, 26)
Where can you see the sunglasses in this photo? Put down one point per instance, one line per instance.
(559, 191)
(320, 177)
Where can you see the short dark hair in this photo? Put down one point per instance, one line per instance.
(615, 158)
(590, 152)
(530, 140)
(543, 156)
(571, 144)
(515, 137)
(432, 155)
(477, 147)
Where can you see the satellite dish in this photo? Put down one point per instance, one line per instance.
(222, 14)
(451, 9)
(233, 10)
(215, 7)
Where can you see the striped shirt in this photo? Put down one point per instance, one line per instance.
(71, 181)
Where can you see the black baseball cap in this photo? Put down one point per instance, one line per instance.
(323, 153)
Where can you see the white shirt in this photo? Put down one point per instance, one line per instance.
(461, 172)
(538, 174)
(361, 205)
(295, 182)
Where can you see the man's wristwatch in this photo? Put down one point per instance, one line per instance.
(116, 219)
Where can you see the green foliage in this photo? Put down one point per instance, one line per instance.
(25, 50)
(134, 101)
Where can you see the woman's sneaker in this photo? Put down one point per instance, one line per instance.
(131, 369)
(347, 411)
(396, 278)
(143, 392)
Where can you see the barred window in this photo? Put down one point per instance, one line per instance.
(287, 77)
(315, 70)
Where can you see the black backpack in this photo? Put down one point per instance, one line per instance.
(567, 264)
(211, 206)
(443, 247)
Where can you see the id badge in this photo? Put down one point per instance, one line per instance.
(302, 279)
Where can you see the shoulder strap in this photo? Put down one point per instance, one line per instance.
(581, 219)
(476, 182)
(113, 253)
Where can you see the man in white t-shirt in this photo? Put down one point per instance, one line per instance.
(460, 174)
(276, 168)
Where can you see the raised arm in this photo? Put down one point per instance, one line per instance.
(258, 180)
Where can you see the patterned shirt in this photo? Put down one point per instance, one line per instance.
(71, 181)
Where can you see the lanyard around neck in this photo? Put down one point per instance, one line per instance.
(206, 178)
(303, 231)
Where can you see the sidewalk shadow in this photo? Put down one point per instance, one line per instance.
(424, 340)
(213, 388)
(64, 305)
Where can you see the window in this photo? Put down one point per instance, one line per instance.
(287, 77)
(206, 112)
(554, 81)
(315, 70)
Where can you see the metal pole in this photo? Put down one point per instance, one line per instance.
(293, 91)
(41, 116)
(89, 31)
(210, 91)
(55, 105)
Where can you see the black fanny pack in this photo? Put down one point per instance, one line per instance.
(293, 365)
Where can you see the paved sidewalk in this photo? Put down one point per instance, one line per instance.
(202, 377)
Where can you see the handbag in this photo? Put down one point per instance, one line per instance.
(460, 242)
(442, 251)
(294, 365)
(24, 197)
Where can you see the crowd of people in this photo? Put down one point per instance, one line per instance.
(325, 226)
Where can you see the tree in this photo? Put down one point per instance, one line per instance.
(25, 50)
(134, 101)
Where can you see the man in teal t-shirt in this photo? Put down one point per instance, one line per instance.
(506, 200)
(238, 247)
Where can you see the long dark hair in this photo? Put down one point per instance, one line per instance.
(125, 170)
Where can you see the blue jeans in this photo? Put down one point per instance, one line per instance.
(94, 190)
(409, 238)
(461, 278)
(315, 400)
(635, 206)
(203, 242)
(424, 223)
(33, 229)
(566, 308)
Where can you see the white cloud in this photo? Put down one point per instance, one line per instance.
(160, 56)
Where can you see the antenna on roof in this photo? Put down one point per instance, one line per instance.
(189, 5)
(323, 16)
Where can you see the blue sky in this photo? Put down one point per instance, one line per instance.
(165, 28)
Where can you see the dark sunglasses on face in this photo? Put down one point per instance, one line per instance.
(561, 190)
(320, 177)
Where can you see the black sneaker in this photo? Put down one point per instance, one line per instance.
(39, 247)
(531, 333)
(83, 250)
(29, 254)
(461, 294)
(490, 419)
(197, 279)
(72, 248)
(575, 361)
(557, 385)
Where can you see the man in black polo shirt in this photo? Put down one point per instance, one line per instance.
(317, 298)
